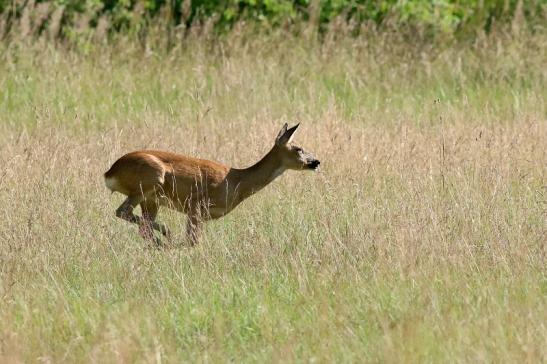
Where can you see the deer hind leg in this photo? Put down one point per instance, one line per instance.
(149, 212)
(125, 212)
(194, 225)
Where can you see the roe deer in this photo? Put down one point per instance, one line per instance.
(200, 188)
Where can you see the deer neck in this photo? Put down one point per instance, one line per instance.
(253, 179)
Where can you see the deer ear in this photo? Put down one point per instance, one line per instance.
(281, 133)
(285, 135)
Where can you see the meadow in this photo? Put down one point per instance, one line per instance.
(422, 238)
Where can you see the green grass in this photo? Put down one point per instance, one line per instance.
(421, 240)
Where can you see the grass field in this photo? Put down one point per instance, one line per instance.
(421, 240)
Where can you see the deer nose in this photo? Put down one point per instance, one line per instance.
(314, 164)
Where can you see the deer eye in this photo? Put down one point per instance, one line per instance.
(298, 149)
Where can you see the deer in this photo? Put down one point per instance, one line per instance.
(202, 189)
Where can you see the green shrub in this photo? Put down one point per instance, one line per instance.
(430, 18)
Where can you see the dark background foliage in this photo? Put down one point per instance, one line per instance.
(68, 19)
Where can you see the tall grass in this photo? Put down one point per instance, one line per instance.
(422, 239)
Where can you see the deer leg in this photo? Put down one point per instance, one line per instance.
(125, 212)
(149, 213)
(193, 228)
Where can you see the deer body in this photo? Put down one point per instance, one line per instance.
(200, 188)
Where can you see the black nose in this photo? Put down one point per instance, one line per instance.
(314, 164)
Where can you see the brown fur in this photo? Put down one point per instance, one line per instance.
(201, 188)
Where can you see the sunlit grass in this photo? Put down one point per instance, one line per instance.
(421, 240)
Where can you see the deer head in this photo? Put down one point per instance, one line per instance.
(292, 156)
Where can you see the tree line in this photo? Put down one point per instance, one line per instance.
(69, 19)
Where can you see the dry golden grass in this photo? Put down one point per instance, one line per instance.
(422, 239)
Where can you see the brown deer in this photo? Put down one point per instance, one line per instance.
(200, 188)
